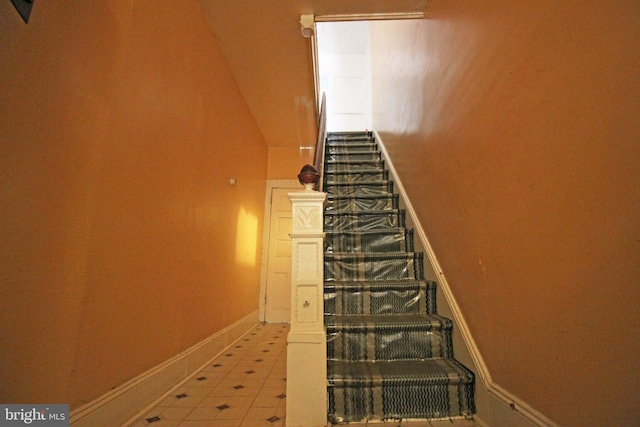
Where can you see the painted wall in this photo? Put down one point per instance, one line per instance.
(515, 128)
(122, 241)
(286, 162)
(272, 62)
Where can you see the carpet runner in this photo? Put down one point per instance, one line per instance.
(389, 353)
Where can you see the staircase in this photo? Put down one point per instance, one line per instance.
(389, 353)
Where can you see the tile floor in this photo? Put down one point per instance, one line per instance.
(245, 386)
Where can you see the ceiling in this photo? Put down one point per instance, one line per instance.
(272, 62)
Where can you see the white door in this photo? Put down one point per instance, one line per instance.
(344, 68)
(346, 104)
(278, 289)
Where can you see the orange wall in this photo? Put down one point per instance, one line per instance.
(122, 242)
(286, 162)
(515, 129)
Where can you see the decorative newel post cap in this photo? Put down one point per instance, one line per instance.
(308, 175)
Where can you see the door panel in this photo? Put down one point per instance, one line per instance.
(278, 289)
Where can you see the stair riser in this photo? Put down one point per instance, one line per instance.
(381, 302)
(351, 149)
(349, 135)
(358, 190)
(342, 178)
(353, 156)
(349, 139)
(353, 167)
(380, 242)
(342, 147)
(353, 404)
(353, 164)
(392, 344)
(391, 269)
(366, 221)
(361, 204)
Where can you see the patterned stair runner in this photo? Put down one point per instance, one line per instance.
(390, 355)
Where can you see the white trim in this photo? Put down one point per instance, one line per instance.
(513, 403)
(520, 406)
(369, 16)
(121, 406)
(271, 184)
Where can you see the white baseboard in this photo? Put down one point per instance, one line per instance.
(122, 405)
(501, 408)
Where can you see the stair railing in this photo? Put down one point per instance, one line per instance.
(318, 160)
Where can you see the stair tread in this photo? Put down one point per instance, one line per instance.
(353, 157)
(371, 255)
(408, 321)
(349, 174)
(355, 180)
(358, 183)
(358, 148)
(382, 284)
(353, 139)
(363, 212)
(352, 149)
(349, 133)
(364, 175)
(363, 137)
(347, 161)
(386, 195)
(352, 169)
(392, 230)
(372, 373)
(358, 191)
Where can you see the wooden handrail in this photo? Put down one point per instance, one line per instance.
(318, 160)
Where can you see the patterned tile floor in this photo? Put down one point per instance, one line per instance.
(243, 387)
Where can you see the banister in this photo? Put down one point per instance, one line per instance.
(318, 160)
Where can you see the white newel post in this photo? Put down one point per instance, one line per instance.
(306, 348)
